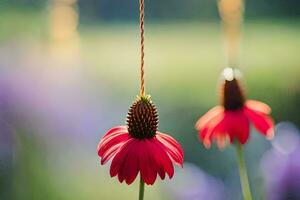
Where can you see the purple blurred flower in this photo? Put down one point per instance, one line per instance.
(52, 102)
(193, 184)
(281, 164)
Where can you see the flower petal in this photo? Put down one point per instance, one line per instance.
(110, 138)
(239, 126)
(147, 151)
(208, 117)
(110, 144)
(119, 158)
(233, 125)
(216, 126)
(202, 134)
(130, 167)
(162, 159)
(222, 140)
(172, 147)
(262, 122)
(258, 106)
(112, 132)
(220, 133)
(107, 155)
(148, 156)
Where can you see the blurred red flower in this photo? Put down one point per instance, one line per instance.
(231, 120)
(139, 147)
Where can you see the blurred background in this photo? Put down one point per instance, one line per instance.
(69, 70)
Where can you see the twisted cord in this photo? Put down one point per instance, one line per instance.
(142, 15)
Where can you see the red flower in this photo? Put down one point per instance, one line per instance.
(231, 121)
(139, 147)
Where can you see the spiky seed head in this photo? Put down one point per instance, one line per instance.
(142, 118)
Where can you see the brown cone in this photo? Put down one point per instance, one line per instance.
(142, 118)
(232, 95)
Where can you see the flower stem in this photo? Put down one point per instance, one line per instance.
(142, 189)
(243, 173)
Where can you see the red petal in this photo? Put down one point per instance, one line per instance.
(172, 147)
(112, 146)
(112, 132)
(211, 114)
(258, 106)
(121, 155)
(146, 160)
(239, 126)
(161, 172)
(220, 133)
(131, 164)
(262, 122)
(107, 155)
(109, 139)
(227, 125)
(111, 142)
(162, 159)
(215, 127)
(202, 135)
(222, 140)
(149, 156)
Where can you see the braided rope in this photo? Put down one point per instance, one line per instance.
(142, 15)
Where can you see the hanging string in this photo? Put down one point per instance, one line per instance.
(142, 15)
(231, 12)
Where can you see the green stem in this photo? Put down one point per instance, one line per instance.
(243, 173)
(142, 189)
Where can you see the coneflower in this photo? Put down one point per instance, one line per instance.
(138, 147)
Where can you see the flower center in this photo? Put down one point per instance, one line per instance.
(232, 95)
(142, 118)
